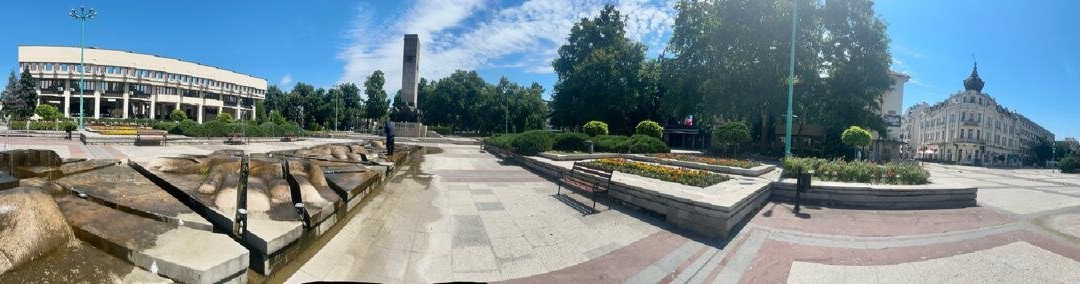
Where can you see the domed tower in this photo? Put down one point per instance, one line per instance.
(973, 82)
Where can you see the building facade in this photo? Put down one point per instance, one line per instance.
(888, 146)
(971, 128)
(124, 84)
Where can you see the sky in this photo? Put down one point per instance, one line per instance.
(1026, 50)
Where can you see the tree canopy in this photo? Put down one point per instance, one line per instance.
(465, 102)
(20, 95)
(603, 75)
(378, 105)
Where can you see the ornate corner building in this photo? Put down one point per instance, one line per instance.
(124, 84)
(971, 128)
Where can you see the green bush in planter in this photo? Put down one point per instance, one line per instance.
(650, 128)
(177, 115)
(224, 117)
(571, 141)
(188, 128)
(217, 128)
(533, 142)
(1071, 164)
(595, 128)
(502, 141)
(644, 144)
(612, 143)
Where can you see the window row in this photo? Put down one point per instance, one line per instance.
(139, 73)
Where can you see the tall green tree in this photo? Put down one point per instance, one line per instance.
(728, 60)
(598, 74)
(20, 95)
(377, 105)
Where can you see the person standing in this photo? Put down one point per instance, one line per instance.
(389, 129)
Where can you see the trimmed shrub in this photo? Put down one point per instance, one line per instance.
(165, 125)
(1071, 164)
(224, 117)
(48, 112)
(856, 171)
(443, 130)
(644, 144)
(650, 128)
(571, 141)
(177, 115)
(595, 128)
(856, 136)
(612, 143)
(533, 142)
(502, 141)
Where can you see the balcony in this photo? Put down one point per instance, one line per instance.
(971, 122)
(969, 140)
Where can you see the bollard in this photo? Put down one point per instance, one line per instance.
(590, 143)
(802, 184)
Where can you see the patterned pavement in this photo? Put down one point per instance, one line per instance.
(460, 214)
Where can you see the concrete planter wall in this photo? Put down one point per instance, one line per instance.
(874, 196)
(578, 156)
(711, 211)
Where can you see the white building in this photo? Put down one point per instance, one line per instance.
(971, 128)
(124, 84)
(888, 147)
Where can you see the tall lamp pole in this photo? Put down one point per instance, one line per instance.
(507, 116)
(82, 14)
(791, 79)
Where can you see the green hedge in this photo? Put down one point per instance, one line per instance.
(443, 130)
(218, 128)
(533, 142)
(571, 141)
(857, 171)
(58, 125)
(537, 141)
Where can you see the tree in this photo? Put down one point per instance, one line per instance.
(20, 95)
(732, 133)
(1043, 150)
(48, 112)
(377, 104)
(277, 118)
(856, 137)
(1061, 150)
(179, 115)
(728, 60)
(599, 74)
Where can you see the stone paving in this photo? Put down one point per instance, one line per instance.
(461, 214)
(475, 218)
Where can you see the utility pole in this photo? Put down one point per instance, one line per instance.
(791, 79)
(82, 14)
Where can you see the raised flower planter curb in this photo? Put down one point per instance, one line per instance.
(752, 172)
(578, 156)
(877, 196)
(711, 211)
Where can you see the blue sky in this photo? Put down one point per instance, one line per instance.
(1027, 50)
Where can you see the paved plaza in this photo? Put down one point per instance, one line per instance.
(460, 214)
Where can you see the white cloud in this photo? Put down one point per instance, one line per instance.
(285, 80)
(466, 34)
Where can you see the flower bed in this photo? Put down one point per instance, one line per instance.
(857, 171)
(690, 177)
(118, 132)
(708, 160)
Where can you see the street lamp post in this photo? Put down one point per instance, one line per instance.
(82, 14)
(507, 114)
(791, 80)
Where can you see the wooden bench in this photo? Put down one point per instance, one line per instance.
(591, 180)
(150, 137)
(236, 138)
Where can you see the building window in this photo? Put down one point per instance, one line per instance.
(63, 67)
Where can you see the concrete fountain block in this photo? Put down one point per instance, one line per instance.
(31, 225)
(123, 188)
(179, 253)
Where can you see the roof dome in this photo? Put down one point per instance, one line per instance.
(973, 82)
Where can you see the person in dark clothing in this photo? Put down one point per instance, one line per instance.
(389, 129)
